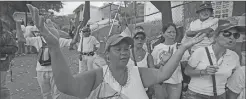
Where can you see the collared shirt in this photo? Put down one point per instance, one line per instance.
(37, 43)
(199, 61)
(236, 82)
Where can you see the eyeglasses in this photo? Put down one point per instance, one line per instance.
(139, 38)
(228, 34)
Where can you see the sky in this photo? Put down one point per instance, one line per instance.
(68, 7)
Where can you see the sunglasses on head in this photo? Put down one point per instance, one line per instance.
(141, 38)
(228, 34)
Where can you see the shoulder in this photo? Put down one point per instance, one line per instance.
(232, 54)
(158, 46)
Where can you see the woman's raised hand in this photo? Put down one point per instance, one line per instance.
(46, 28)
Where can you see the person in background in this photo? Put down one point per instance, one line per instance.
(87, 49)
(8, 48)
(236, 83)
(141, 29)
(115, 80)
(224, 62)
(171, 88)
(21, 45)
(205, 24)
(45, 75)
(140, 55)
(29, 32)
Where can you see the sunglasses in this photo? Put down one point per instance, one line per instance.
(139, 38)
(228, 34)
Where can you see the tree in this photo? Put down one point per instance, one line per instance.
(7, 8)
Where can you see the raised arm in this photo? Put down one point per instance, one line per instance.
(79, 86)
(154, 76)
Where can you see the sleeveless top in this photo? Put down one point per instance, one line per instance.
(111, 89)
(142, 63)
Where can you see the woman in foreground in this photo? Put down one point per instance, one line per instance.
(116, 80)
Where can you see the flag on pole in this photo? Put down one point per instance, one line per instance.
(86, 13)
(85, 19)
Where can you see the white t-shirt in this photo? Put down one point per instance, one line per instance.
(236, 82)
(142, 63)
(158, 52)
(88, 44)
(28, 31)
(199, 25)
(37, 43)
(199, 61)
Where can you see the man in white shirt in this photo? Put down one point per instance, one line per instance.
(87, 49)
(205, 24)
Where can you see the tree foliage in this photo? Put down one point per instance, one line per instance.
(7, 8)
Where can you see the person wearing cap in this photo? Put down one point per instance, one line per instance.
(87, 49)
(8, 48)
(45, 75)
(205, 24)
(236, 83)
(224, 60)
(140, 55)
(171, 88)
(114, 80)
(240, 45)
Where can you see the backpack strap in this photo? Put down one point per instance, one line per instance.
(213, 76)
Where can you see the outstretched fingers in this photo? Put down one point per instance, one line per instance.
(45, 32)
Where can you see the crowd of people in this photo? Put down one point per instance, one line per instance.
(203, 66)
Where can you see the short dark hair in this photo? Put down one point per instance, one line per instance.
(164, 28)
(140, 27)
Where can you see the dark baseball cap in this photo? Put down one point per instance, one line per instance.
(143, 33)
(206, 5)
(115, 39)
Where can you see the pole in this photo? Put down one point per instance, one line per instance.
(26, 13)
(113, 22)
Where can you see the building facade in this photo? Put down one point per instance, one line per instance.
(177, 12)
(222, 9)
